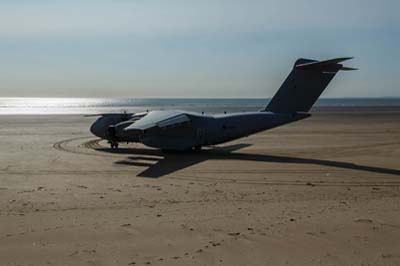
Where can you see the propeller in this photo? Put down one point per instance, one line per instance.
(110, 114)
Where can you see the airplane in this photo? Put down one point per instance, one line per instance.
(174, 130)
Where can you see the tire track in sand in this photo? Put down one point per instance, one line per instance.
(86, 148)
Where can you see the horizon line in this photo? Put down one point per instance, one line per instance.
(191, 98)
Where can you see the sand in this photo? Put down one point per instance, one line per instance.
(323, 191)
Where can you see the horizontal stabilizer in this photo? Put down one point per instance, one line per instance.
(348, 68)
(326, 64)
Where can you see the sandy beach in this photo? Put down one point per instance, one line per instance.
(323, 191)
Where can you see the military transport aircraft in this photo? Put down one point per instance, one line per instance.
(180, 130)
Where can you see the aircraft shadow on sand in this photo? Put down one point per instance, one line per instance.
(160, 163)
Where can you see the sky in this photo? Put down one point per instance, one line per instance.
(187, 48)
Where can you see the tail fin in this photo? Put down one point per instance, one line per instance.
(305, 84)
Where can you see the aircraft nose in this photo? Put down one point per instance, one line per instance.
(97, 129)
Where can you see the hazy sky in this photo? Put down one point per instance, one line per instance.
(203, 48)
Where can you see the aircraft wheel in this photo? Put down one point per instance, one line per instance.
(114, 145)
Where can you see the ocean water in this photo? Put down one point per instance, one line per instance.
(48, 106)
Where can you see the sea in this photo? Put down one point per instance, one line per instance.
(87, 106)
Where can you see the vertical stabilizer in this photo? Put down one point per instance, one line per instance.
(305, 84)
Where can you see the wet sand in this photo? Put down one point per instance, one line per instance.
(323, 191)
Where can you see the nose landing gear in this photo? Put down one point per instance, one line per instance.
(197, 148)
(114, 145)
(111, 137)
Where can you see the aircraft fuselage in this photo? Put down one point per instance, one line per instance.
(202, 130)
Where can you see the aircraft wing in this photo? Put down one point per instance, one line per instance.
(159, 119)
(138, 116)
